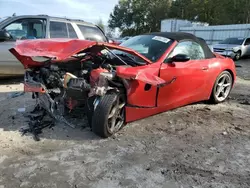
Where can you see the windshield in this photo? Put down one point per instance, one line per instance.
(150, 46)
(233, 41)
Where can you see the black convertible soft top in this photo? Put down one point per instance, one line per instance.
(179, 36)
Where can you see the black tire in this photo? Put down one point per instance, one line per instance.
(100, 125)
(214, 98)
(237, 56)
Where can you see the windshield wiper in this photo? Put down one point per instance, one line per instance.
(110, 51)
(133, 59)
(127, 56)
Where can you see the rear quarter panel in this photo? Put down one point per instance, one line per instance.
(216, 66)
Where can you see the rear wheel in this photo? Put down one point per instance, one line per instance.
(109, 115)
(222, 87)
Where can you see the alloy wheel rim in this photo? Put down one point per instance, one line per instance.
(116, 116)
(223, 87)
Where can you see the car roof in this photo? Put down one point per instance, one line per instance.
(236, 37)
(179, 36)
(48, 17)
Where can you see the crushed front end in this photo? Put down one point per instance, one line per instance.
(60, 88)
(71, 74)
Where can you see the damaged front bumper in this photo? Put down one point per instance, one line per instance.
(227, 53)
(54, 107)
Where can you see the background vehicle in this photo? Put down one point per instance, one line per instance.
(123, 39)
(114, 41)
(233, 47)
(39, 27)
(145, 75)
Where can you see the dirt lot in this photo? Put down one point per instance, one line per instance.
(195, 146)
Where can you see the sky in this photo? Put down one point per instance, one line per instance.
(88, 10)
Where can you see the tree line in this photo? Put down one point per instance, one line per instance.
(142, 16)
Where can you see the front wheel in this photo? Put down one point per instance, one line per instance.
(237, 56)
(222, 87)
(109, 115)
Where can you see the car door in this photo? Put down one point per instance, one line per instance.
(19, 30)
(186, 81)
(247, 46)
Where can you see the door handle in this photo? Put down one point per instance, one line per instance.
(166, 83)
(204, 68)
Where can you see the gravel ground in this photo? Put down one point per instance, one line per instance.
(243, 70)
(197, 146)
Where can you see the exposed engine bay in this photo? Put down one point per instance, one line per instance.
(62, 87)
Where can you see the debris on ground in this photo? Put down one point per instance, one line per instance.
(225, 133)
(36, 123)
(21, 109)
(245, 102)
(238, 129)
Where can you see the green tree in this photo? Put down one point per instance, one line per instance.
(215, 12)
(134, 17)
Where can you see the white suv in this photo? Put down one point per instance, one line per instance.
(233, 47)
(39, 27)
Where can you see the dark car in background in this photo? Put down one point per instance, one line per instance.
(39, 27)
(123, 39)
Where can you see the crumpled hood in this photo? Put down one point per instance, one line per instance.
(58, 50)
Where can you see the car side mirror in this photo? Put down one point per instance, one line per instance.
(180, 58)
(4, 35)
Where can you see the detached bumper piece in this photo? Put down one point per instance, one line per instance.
(30, 85)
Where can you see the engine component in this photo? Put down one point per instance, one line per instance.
(95, 74)
(54, 67)
(52, 79)
(78, 84)
(71, 104)
(101, 87)
(108, 75)
(54, 90)
(67, 77)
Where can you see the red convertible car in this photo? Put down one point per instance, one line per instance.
(147, 75)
